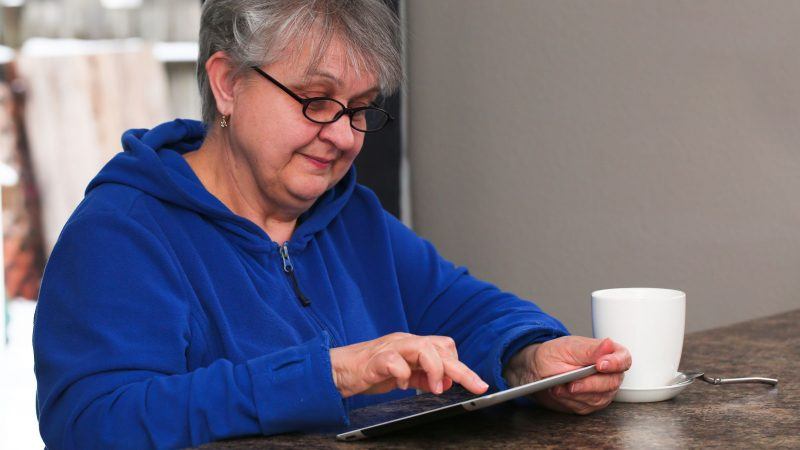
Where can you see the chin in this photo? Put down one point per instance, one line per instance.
(309, 188)
(309, 194)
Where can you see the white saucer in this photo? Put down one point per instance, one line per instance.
(657, 394)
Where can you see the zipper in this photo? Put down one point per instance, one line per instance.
(289, 269)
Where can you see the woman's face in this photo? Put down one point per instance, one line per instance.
(292, 160)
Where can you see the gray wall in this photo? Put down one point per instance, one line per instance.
(558, 147)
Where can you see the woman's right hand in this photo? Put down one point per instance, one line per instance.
(401, 360)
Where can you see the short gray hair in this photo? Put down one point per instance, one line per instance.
(256, 32)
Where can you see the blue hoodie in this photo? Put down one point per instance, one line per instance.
(165, 320)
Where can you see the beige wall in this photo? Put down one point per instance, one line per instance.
(559, 147)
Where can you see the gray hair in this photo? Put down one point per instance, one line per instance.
(257, 32)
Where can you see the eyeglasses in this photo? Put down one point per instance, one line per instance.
(366, 119)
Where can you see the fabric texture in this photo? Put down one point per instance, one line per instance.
(167, 321)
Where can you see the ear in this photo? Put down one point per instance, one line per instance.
(219, 69)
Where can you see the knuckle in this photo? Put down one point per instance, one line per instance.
(379, 359)
(597, 402)
(388, 356)
(428, 346)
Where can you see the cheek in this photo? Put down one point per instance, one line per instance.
(271, 129)
(280, 146)
(346, 159)
(352, 153)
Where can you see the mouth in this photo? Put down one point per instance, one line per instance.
(321, 163)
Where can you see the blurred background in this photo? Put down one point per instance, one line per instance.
(552, 147)
(74, 74)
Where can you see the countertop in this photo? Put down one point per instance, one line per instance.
(704, 415)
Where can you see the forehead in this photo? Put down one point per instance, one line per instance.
(333, 63)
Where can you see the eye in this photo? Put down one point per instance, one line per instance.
(366, 101)
(305, 94)
(318, 106)
(360, 117)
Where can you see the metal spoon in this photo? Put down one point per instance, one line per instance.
(691, 375)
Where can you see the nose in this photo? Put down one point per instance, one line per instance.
(339, 133)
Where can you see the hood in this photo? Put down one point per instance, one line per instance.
(152, 163)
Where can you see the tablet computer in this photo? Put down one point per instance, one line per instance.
(467, 405)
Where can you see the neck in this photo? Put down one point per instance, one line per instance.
(227, 179)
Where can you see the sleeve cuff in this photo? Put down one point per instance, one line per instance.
(293, 389)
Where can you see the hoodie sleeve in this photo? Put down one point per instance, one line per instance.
(111, 335)
(488, 325)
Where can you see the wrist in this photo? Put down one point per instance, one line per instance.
(521, 368)
(335, 372)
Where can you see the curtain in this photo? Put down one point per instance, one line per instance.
(80, 97)
(22, 239)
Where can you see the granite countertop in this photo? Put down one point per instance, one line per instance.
(740, 415)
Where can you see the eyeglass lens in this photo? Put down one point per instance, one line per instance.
(325, 111)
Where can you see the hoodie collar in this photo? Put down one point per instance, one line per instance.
(152, 162)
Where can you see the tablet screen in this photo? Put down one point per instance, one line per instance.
(464, 406)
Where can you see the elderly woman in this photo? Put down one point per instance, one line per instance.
(231, 278)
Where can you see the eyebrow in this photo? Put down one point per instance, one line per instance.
(338, 83)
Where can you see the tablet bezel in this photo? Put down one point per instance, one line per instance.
(465, 406)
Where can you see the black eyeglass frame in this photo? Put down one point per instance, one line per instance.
(345, 110)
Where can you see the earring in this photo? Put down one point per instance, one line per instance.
(224, 122)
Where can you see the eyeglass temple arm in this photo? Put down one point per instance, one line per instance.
(301, 100)
(276, 83)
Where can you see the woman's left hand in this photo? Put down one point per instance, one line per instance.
(567, 353)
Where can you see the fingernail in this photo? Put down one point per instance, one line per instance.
(439, 388)
(481, 384)
(603, 365)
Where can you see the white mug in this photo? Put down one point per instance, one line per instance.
(649, 322)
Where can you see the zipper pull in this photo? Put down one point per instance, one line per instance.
(289, 269)
(287, 263)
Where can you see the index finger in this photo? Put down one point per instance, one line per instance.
(445, 343)
(463, 375)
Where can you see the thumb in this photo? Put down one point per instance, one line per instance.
(591, 350)
(604, 347)
(388, 364)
